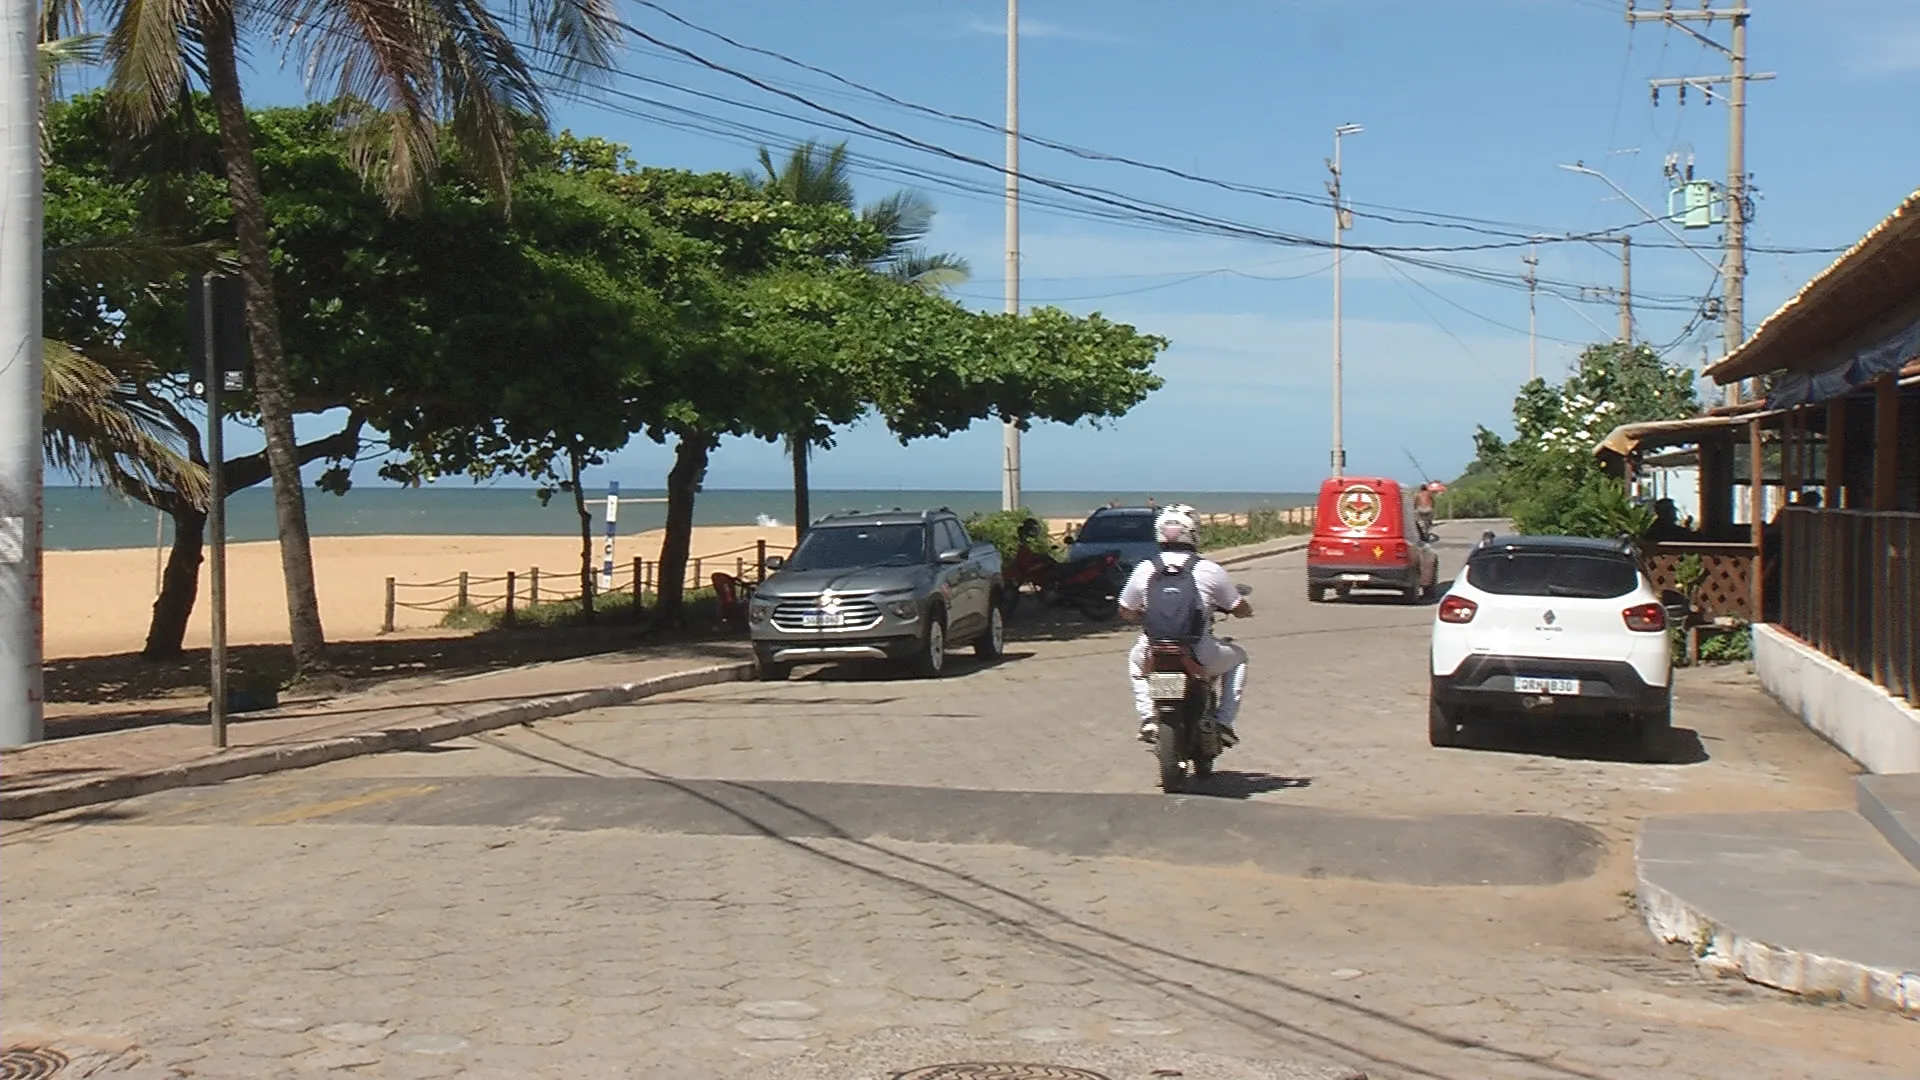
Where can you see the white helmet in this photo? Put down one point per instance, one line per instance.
(1176, 525)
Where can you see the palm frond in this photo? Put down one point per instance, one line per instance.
(585, 35)
(133, 258)
(930, 271)
(56, 53)
(810, 176)
(96, 426)
(147, 50)
(903, 217)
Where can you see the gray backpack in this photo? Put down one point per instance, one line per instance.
(1175, 611)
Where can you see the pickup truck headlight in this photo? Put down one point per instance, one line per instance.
(760, 611)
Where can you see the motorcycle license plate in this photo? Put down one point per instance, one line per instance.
(1167, 685)
(820, 620)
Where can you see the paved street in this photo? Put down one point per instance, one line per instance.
(721, 880)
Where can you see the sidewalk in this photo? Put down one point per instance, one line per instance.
(87, 770)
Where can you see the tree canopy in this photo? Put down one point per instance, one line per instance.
(1546, 478)
(615, 301)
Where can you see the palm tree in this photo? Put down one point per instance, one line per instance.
(813, 176)
(407, 69)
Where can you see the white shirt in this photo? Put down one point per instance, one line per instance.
(1209, 578)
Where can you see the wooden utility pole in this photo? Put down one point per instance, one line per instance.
(1626, 289)
(1533, 327)
(1733, 270)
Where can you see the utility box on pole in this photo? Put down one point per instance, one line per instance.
(1696, 205)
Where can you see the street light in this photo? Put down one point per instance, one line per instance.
(1342, 220)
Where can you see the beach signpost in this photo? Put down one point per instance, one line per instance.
(217, 329)
(613, 519)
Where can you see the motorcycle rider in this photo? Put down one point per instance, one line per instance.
(1177, 531)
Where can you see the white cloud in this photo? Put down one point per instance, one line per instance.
(1037, 29)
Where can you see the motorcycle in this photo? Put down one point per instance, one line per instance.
(1185, 702)
(1089, 585)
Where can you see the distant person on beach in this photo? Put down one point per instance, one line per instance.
(1423, 510)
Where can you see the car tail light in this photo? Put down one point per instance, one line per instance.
(1458, 609)
(1646, 618)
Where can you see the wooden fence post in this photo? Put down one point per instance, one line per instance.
(462, 601)
(697, 579)
(740, 570)
(508, 617)
(639, 572)
(533, 586)
(386, 621)
(760, 560)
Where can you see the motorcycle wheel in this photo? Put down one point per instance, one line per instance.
(1097, 609)
(1173, 771)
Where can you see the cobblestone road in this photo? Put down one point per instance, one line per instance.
(721, 880)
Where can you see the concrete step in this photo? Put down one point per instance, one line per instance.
(1811, 902)
(1892, 804)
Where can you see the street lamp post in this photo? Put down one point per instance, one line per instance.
(1342, 221)
(1010, 494)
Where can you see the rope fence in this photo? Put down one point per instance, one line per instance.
(513, 592)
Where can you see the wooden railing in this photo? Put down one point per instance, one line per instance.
(1849, 587)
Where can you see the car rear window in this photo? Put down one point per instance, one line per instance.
(1117, 529)
(1537, 573)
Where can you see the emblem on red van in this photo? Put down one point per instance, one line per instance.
(1358, 507)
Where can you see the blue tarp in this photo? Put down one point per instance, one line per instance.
(1888, 355)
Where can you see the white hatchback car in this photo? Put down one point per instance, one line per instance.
(1551, 627)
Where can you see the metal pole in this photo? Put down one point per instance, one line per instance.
(216, 517)
(1010, 432)
(1626, 289)
(613, 524)
(1533, 333)
(21, 463)
(1736, 268)
(1339, 455)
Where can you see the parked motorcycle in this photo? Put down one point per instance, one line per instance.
(1186, 701)
(1089, 585)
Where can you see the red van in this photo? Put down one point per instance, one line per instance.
(1365, 537)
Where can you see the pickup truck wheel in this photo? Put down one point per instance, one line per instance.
(932, 658)
(993, 643)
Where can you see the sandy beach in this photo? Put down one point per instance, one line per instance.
(99, 602)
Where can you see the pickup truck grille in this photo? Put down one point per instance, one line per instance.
(809, 615)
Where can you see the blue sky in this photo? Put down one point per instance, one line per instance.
(1469, 107)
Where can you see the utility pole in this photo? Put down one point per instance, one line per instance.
(21, 462)
(1532, 259)
(1010, 430)
(1734, 265)
(1626, 289)
(1342, 221)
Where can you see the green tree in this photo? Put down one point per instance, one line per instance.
(411, 73)
(816, 176)
(1547, 478)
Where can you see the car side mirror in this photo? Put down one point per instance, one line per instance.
(953, 558)
(775, 562)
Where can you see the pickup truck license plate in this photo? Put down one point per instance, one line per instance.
(821, 620)
(1356, 577)
(1523, 684)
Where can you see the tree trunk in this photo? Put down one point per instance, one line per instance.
(273, 391)
(179, 585)
(683, 484)
(587, 583)
(801, 450)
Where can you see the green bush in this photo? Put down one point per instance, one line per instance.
(1002, 529)
(1260, 525)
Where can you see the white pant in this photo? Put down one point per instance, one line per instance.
(1218, 657)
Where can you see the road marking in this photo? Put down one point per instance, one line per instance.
(354, 802)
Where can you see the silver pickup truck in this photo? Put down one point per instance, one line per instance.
(897, 585)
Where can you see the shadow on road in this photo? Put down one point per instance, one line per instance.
(1232, 784)
(1587, 742)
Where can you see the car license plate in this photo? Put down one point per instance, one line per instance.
(1523, 684)
(822, 620)
(1356, 577)
(1167, 685)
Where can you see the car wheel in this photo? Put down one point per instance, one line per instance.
(1443, 724)
(992, 644)
(1316, 594)
(1651, 730)
(769, 670)
(932, 658)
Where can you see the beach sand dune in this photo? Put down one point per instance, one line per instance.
(99, 602)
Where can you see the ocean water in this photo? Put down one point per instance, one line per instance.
(88, 518)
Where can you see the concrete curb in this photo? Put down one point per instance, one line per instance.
(1232, 557)
(1722, 950)
(255, 761)
(1889, 814)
